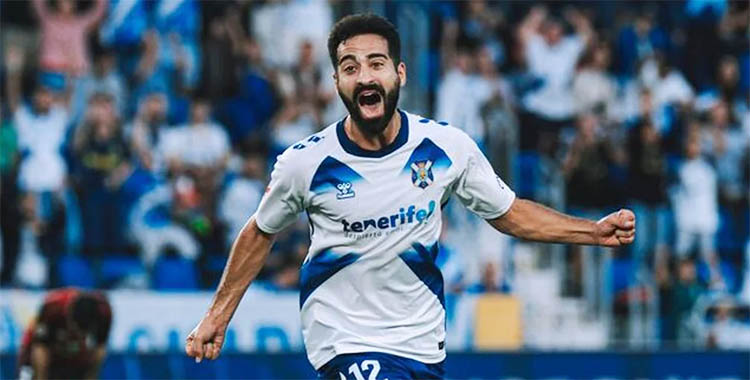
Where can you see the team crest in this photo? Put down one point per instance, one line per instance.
(421, 173)
(345, 190)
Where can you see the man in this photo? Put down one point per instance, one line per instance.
(68, 339)
(373, 185)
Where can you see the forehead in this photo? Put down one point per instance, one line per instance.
(363, 44)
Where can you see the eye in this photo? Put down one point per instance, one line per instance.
(349, 69)
(377, 65)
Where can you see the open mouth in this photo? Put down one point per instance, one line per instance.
(369, 98)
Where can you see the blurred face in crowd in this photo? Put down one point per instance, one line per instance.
(728, 72)
(587, 125)
(368, 81)
(642, 25)
(552, 32)
(485, 63)
(693, 146)
(306, 56)
(646, 104)
(200, 112)
(601, 57)
(686, 271)
(66, 7)
(720, 114)
(43, 99)
(155, 108)
(104, 64)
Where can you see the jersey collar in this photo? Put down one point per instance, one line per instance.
(352, 148)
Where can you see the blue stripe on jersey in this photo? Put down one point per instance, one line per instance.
(352, 148)
(319, 269)
(427, 150)
(421, 261)
(330, 174)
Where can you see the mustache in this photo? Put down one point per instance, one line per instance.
(367, 87)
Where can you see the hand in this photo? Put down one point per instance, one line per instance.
(206, 339)
(616, 229)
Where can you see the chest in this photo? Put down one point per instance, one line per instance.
(382, 194)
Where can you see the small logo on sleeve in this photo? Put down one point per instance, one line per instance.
(345, 190)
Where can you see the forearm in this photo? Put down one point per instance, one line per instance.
(246, 258)
(533, 221)
(96, 365)
(40, 361)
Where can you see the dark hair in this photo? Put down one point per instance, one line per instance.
(85, 312)
(368, 23)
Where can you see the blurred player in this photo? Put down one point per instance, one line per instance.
(68, 338)
(373, 186)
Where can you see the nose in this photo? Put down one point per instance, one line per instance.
(365, 75)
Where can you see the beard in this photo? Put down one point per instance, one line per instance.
(374, 126)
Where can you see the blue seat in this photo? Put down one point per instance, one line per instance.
(74, 270)
(114, 268)
(174, 273)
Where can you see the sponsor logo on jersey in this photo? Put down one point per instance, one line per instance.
(345, 190)
(405, 215)
(421, 173)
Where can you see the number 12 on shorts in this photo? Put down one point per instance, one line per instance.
(371, 366)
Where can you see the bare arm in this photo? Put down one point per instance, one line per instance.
(581, 24)
(533, 221)
(40, 358)
(40, 9)
(99, 354)
(531, 24)
(95, 14)
(14, 61)
(246, 258)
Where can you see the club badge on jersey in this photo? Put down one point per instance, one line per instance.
(421, 173)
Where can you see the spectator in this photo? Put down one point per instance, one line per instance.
(552, 57)
(637, 42)
(647, 194)
(102, 164)
(695, 206)
(153, 227)
(243, 191)
(593, 88)
(587, 169)
(201, 144)
(684, 293)
(248, 113)
(280, 39)
(64, 42)
(498, 114)
(147, 129)
(457, 101)
(9, 210)
(667, 85)
(104, 78)
(222, 55)
(727, 331)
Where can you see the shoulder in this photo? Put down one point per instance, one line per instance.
(438, 130)
(303, 156)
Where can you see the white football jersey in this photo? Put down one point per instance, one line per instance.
(369, 282)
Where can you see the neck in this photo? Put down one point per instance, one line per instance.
(379, 141)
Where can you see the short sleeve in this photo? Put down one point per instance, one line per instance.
(284, 197)
(479, 188)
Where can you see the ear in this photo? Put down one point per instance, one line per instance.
(401, 71)
(335, 76)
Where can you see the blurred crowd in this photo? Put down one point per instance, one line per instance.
(137, 135)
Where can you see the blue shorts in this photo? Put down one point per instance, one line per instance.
(378, 366)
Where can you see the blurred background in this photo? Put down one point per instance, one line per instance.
(137, 138)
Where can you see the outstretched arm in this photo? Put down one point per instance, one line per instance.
(533, 221)
(246, 258)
